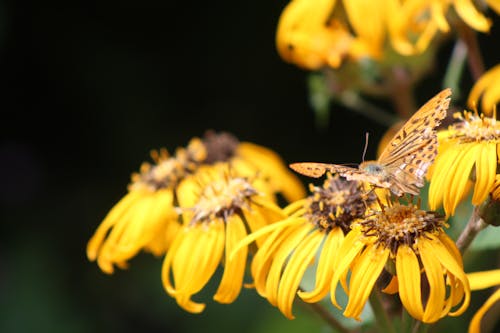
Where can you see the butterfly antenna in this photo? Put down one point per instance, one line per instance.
(366, 146)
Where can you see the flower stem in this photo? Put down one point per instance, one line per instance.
(473, 227)
(359, 105)
(455, 68)
(475, 59)
(402, 93)
(380, 314)
(327, 317)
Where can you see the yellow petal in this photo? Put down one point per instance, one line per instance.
(294, 271)
(486, 168)
(350, 248)
(234, 269)
(475, 324)
(485, 279)
(282, 253)
(114, 216)
(458, 176)
(363, 277)
(325, 268)
(468, 12)
(408, 273)
(262, 260)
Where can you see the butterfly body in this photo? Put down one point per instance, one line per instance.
(402, 166)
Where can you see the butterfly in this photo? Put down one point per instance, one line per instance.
(402, 165)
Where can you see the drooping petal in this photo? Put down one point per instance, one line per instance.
(437, 289)
(292, 275)
(282, 253)
(350, 248)
(408, 273)
(234, 268)
(364, 275)
(325, 268)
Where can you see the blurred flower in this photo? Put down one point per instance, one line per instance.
(414, 242)
(316, 223)
(483, 280)
(414, 24)
(313, 34)
(488, 87)
(467, 150)
(225, 207)
(145, 218)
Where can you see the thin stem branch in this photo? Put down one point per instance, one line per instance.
(475, 59)
(473, 227)
(402, 93)
(455, 68)
(380, 314)
(327, 317)
(357, 104)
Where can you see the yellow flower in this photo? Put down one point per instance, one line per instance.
(226, 207)
(483, 280)
(313, 34)
(323, 33)
(412, 241)
(488, 87)
(316, 222)
(145, 218)
(467, 149)
(414, 24)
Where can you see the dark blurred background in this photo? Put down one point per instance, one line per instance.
(87, 91)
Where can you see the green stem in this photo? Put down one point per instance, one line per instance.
(327, 317)
(357, 104)
(455, 68)
(420, 327)
(381, 315)
(406, 321)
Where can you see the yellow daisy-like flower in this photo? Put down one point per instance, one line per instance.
(467, 149)
(145, 218)
(322, 219)
(488, 89)
(224, 210)
(413, 241)
(414, 24)
(479, 281)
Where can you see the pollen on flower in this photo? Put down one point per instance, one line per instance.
(337, 203)
(222, 198)
(475, 128)
(399, 225)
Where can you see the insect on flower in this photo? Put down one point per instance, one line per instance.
(404, 162)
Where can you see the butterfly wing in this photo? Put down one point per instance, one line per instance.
(414, 147)
(316, 170)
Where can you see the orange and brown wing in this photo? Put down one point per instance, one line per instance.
(316, 170)
(414, 147)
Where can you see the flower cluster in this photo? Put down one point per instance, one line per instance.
(213, 205)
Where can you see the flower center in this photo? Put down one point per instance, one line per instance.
(168, 171)
(222, 198)
(337, 203)
(475, 128)
(400, 225)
